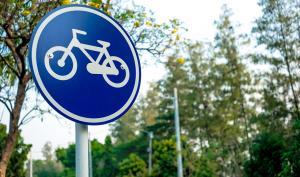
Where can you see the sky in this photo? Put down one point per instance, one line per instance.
(198, 17)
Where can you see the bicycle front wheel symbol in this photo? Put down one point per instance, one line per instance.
(51, 53)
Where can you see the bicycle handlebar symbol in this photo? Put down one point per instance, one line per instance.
(94, 67)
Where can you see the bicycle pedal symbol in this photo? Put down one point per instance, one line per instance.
(107, 67)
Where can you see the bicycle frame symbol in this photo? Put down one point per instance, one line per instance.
(94, 67)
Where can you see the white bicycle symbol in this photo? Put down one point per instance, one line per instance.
(94, 67)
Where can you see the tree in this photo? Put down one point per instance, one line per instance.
(108, 162)
(16, 167)
(15, 78)
(97, 153)
(164, 158)
(164, 126)
(105, 157)
(123, 130)
(291, 155)
(149, 107)
(48, 167)
(17, 20)
(133, 166)
(232, 84)
(278, 31)
(47, 151)
(44, 168)
(215, 92)
(207, 165)
(67, 157)
(266, 156)
(138, 145)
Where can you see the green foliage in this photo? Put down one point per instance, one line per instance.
(113, 160)
(123, 130)
(164, 158)
(133, 166)
(207, 167)
(278, 31)
(18, 159)
(97, 153)
(265, 156)
(291, 156)
(103, 159)
(276, 153)
(108, 163)
(138, 146)
(164, 127)
(48, 167)
(67, 158)
(16, 166)
(275, 111)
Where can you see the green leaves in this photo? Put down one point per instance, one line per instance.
(133, 166)
(16, 166)
(265, 155)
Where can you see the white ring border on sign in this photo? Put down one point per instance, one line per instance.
(46, 93)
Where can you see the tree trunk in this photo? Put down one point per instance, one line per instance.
(7, 151)
(287, 63)
(13, 132)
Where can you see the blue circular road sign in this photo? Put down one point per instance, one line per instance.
(84, 64)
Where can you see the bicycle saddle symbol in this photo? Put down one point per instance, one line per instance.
(107, 67)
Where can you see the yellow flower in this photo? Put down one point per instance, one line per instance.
(93, 4)
(136, 24)
(148, 23)
(26, 12)
(174, 30)
(65, 2)
(180, 60)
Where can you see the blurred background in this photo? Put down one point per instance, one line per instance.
(235, 66)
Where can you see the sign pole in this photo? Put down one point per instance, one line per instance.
(178, 140)
(82, 147)
(150, 134)
(82, 155)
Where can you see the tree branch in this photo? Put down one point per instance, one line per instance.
(9, 66)
(11, 45)
(6, 105)
(26, 115)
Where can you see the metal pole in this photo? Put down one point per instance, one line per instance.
(150, 134)
(82, 141)
(90, 158)
(30, 165)
(82, 162)
(178, 141)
